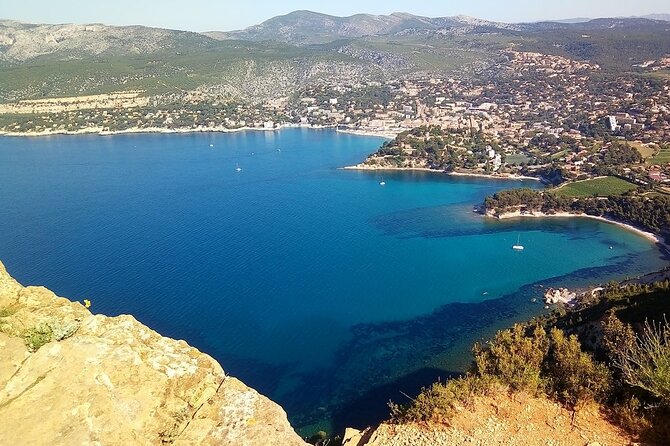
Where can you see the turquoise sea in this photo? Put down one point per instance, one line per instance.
(320, 288)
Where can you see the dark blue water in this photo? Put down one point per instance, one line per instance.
(317, 286)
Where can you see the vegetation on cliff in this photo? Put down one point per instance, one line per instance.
(612, 349)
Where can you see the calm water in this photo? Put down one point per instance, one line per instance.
(317, 286)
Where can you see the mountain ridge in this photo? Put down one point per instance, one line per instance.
(309, 27)
(305, 27)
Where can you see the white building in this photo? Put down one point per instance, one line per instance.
(612, 123)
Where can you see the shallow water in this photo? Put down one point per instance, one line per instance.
(317, 286)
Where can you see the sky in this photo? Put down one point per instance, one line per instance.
(226, 15)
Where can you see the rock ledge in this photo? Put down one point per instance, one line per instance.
(70, 377)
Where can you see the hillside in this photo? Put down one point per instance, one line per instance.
(284, 54)
(612, 42)
(231, 69)
(20, 42)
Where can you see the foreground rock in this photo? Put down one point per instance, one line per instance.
(68, 377)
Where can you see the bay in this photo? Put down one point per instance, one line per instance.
(317, 286)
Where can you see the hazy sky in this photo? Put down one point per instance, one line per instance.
(224, 15)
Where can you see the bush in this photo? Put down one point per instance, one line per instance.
(46, 332)
(617, 336)
(574, 378)
(38, 336)
(441, 401)
(514, 358)
(630, 415)
(645, 363)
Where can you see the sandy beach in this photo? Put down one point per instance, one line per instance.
(646, 234)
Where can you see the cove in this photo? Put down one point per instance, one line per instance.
(318, 287)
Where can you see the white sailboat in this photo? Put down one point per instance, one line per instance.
(238, 168)
(518, 246)
(382, 182)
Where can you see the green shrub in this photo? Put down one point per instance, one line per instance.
(46, 332)
(38, 336)
(645, 363)
(441, 401)
(573, 377)
(514, 358)
(630, 415)
(617, 336)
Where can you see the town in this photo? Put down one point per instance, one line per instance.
(528, 114)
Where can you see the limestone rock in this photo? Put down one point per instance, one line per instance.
(89, 379)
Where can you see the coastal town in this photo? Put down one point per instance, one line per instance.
(529, 114)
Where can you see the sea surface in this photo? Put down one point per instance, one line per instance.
(317, 286)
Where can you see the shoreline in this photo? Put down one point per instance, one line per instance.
(389, 169)
(508, 176)
(161, 130)
(386, 134)
(657, 239)
(364, 167)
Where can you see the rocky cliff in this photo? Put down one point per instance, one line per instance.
(70, 377)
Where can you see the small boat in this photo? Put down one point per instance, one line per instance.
(382, 182)
(211, 145)
(238, 168)
(518, 246)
